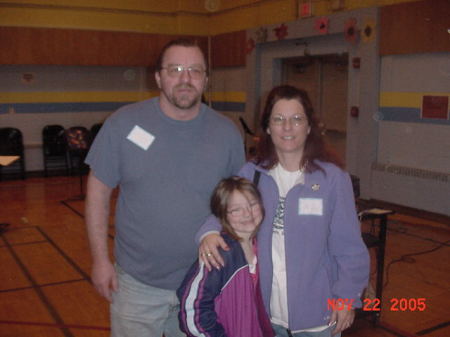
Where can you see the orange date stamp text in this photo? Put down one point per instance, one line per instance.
(374, 304)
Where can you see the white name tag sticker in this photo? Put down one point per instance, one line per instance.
(310, 206)
(140, 137)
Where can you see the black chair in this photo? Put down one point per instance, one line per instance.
(95, 129)
(11, 144)
(78, 142)
(54, 147)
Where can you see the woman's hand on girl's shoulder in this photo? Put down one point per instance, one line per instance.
(209, 251)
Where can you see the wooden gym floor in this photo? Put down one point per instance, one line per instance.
(45, 265)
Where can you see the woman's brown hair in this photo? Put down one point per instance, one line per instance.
(315, 148)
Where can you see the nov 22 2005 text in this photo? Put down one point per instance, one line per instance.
(374, 304)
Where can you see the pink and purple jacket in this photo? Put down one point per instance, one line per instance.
(223, 302)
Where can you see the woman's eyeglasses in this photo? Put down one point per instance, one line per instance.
(295, 120)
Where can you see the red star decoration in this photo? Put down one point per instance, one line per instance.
(250, 46)
(281, 32)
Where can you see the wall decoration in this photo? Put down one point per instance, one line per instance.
(305, 9)
(28, 78)
(435, 107)
(351, 33)
(322, 24)
(261, 35)
(250, 46)
(368, 31)
(281, 31)
(129, 75)
(354, 111)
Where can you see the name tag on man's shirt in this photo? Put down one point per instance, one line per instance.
(140, 137)
(310, 206)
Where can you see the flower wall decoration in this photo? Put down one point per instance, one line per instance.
(322, 25)
(281, 31)
(351, 33)
(368, 32)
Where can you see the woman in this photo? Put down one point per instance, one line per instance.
(227, 301)
(309, 246)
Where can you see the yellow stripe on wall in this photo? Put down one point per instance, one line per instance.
(227, 96)
(259, 14)
(86, 96)
(162, 17)
(186, 24)
(105, 96)
(168, 6)
(406, 99)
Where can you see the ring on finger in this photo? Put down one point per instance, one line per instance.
(208, 254)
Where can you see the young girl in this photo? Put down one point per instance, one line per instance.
(227, 302)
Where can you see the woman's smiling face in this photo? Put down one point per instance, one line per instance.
(288, 127)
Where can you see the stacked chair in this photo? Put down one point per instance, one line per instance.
(95, 129)
(54, 146)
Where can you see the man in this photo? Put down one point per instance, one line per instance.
(166, 155)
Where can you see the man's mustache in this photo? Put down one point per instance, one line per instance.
(185, 86)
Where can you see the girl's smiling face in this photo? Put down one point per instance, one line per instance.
(243, 213)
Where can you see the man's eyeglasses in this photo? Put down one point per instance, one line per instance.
(296, 120)
(195, 72)
(238, 212)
